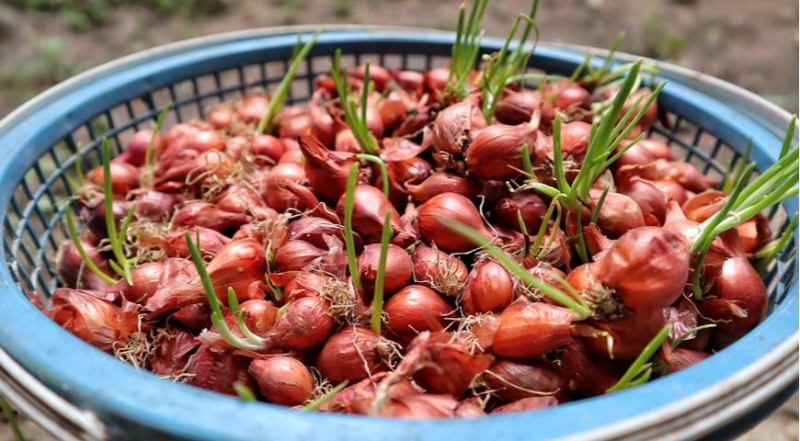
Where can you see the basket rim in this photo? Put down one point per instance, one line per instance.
(745, 378)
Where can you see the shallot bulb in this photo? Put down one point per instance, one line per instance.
(496, 151)
(442, 363)
(443, 182)
(454, 125)
(252, 108)
(680, 358)
(149, 277)
(453, 207)
(203, 214)
(274, 191)
(529, 205)
(92, 318)
(737, 301)
(71, 269)
(590, 376)
(438, 270)
(398, 270)
(326, 171)
(354, 353)
(530, 330)
(369, 209)
(647, 267)
(618, 214)
(124, 178)
(237, 265)
(415, 309)
(512, 380)
(298, 255)
(282, 379)
(217, 370)
(518, 107)
(628, 335)
(136, 150)
(489, 288)
(259, 315)
(155, 205)
(173, 244)
(322, 125)
(304, 325)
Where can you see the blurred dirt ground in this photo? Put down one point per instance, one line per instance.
(751, 44)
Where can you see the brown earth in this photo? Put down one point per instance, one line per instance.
(751, 44)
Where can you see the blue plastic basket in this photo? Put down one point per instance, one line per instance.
(711, 122)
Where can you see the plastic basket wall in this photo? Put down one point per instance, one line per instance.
(40, 144)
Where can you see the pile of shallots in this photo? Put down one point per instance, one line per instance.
(414, 252)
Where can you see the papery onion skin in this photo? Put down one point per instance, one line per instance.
(172, 352)
(489, 288)
(439, 270)
(737, 301)
(425, 406)
(415, 309)
(454, 207)
(305, 324)
(589, 375)
(237, 265)
(282, 379)
(91, 318)
(216, 370)
(327, 172)
(648, 267)
(124, 178)
(352, 354)
(531, 330)
(275, 193)
(398, 269)
(496, 151)
(512, 380)
(447, 364)
(443, 182)
(630, 334)
(71, 270)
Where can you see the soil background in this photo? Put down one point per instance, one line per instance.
(753, 44)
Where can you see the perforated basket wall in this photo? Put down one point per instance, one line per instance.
(37, 175)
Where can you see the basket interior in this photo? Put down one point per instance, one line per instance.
(33, 226)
